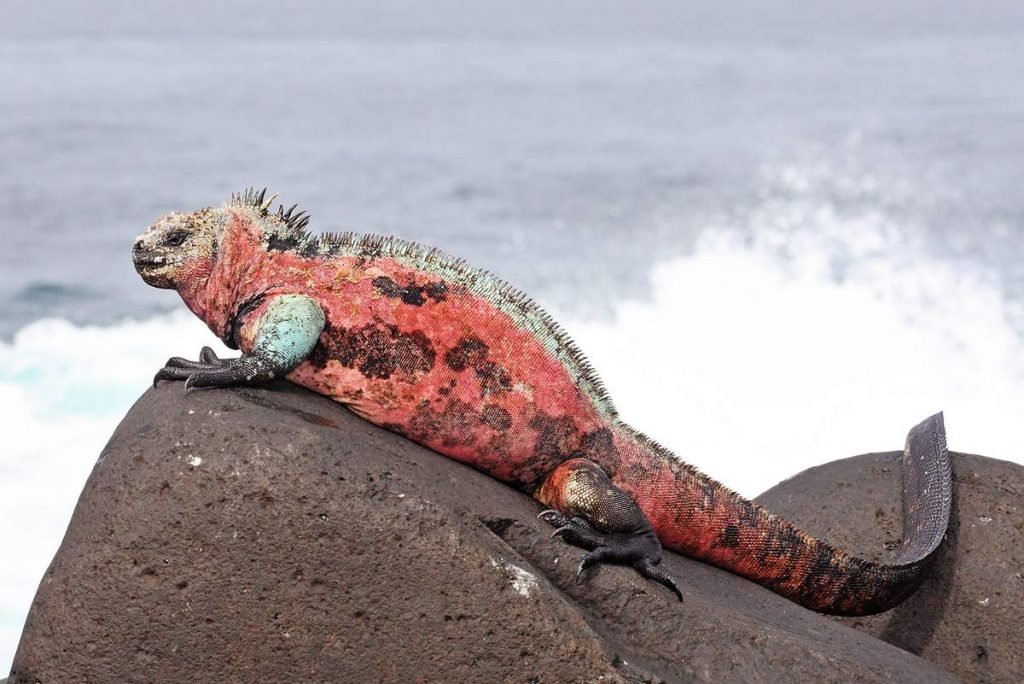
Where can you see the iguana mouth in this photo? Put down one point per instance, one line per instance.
(153, 261)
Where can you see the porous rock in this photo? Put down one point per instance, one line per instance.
(968, 616)
(268, 534)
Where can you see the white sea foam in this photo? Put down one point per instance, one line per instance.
(753, 374)
(751, 366)
(802, 334)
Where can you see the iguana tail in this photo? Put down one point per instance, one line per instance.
(696, 516)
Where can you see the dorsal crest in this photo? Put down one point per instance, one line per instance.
(294, 220)
(289, 224)
(254, 199)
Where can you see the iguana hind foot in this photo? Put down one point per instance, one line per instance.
(604, 520)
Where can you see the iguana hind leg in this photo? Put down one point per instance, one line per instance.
(592, 513)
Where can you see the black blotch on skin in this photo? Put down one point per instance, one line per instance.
(283, 243)
(389, 288)
(783, 542)
(321, 353)
(849, 589)
(235, 324)
(557, 437)
(558, 440)
(471, 352)
(599, 446)
(865, 588)
(386, 286)
(821, 575)
(787, 543)
(497, 417)
(375, 349)
(867, 593)
(729, 538)
(311, 249)
(413, 294)
(493, 378)
(438, 291)
(452, 426)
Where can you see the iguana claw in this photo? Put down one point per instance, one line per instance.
(647, 569)
(553, 517)
(561, 530)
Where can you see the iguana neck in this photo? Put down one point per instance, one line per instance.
(216, 288)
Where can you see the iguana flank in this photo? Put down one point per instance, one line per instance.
(452, 357)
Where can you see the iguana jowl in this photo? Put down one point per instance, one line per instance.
(453, 358)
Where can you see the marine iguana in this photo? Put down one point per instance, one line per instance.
(450, 356)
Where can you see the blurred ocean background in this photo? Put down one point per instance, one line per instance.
(783, 232)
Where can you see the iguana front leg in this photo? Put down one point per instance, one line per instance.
(285, 334)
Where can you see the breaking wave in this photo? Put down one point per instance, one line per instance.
(813, 326)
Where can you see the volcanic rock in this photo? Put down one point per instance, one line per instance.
(267, 534)
(968, 616)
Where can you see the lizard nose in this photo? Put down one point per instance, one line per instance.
(138, 249)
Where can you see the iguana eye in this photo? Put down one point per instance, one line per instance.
(176, 239)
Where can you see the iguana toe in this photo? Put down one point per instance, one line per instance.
(207, 355)
(172, 373)
(179, 368)
(578, 532)
(553, 517)
(640, 549)
(648, 570)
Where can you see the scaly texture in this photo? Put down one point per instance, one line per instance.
(453, 358)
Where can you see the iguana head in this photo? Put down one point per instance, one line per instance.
(179, 246)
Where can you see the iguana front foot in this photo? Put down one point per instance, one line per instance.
(288, 331)
(178, 368)
(209, 371)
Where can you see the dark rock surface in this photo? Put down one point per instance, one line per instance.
(270, 535)
(969, 615)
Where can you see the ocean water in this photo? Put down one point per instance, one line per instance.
(782, 235)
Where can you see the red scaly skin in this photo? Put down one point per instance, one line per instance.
(394, 363)
(473, 370)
